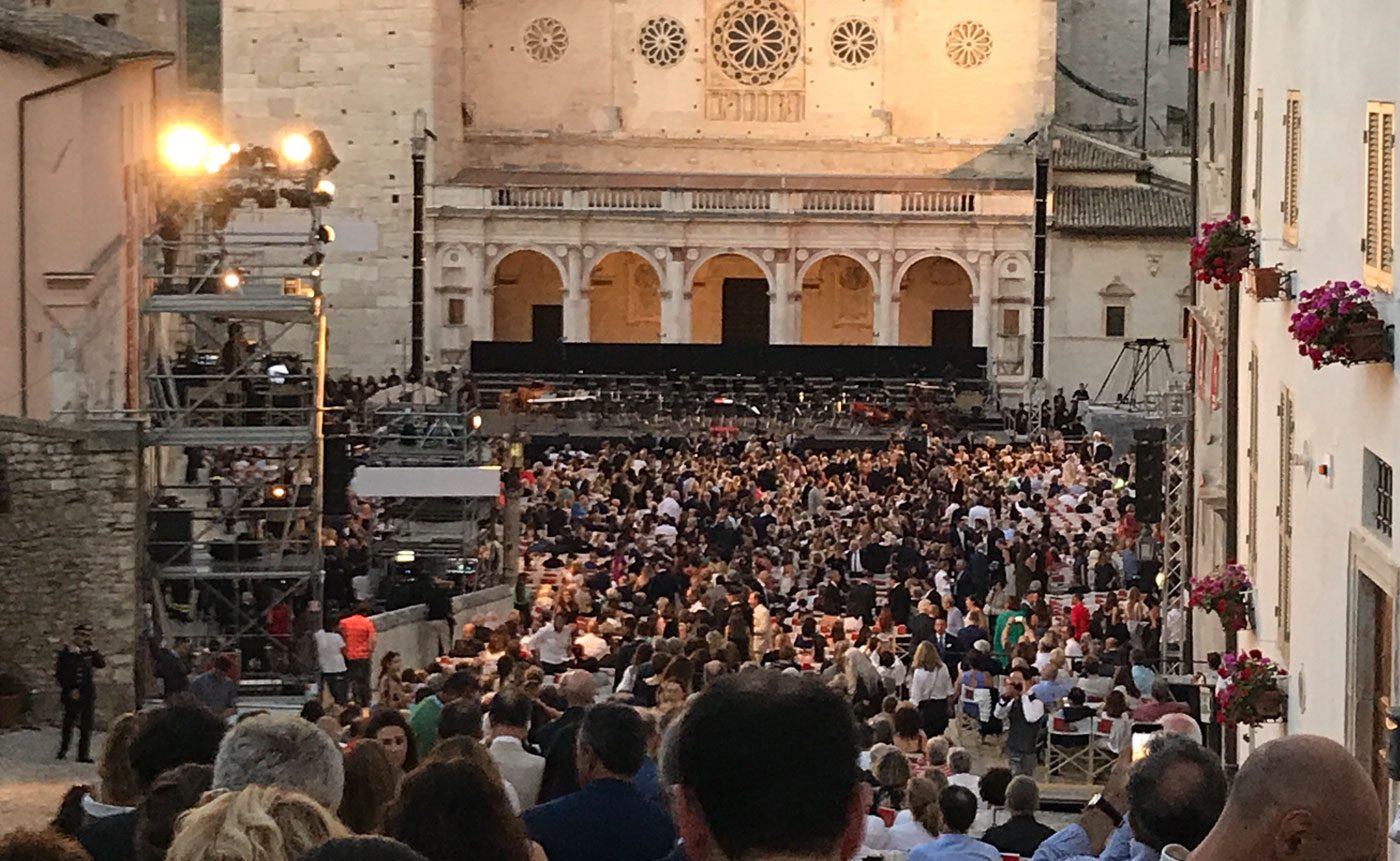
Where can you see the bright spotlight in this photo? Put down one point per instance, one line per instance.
(296, 149)
(316, 273)
(326, 187)
(405, 556)
(233, 279)
(1161, 579)
(279, 492)
(325, 233)
(476, 421)
(184, 148)
(215, 159)
(235, 149)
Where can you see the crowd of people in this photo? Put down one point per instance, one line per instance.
(740, 652)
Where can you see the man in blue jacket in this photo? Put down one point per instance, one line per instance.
(608, 817)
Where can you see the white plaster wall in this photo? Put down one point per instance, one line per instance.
(1338, 411)
(1155, 269)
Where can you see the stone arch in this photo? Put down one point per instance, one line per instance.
(752, 257)
(523, 279)
(838, 300)
(930, 285)
(725, 305)
(916, 259)
(624, 305)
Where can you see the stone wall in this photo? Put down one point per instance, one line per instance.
(70, 546)
(418, 641)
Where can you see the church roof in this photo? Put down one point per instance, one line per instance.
(58, 38)
(1125, 209)
(1080, 153)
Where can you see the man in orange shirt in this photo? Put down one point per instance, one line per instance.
(359, 634)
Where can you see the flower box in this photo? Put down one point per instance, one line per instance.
(1367, 341)
(1222, 251)
(1251, 694)
(1338, 323)
(1226, 594)
(1267, 283)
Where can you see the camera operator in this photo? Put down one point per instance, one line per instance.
(1023, 715)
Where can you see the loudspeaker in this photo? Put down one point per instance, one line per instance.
(1149, 452)
(171, 532)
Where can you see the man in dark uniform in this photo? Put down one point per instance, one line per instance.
(76, 661)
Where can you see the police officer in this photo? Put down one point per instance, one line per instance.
(76, 661)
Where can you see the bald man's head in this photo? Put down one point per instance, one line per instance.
(1182, 725)
(1301, 797)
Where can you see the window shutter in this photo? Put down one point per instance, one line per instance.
(1385, 253)
(1373, 181)
(1292, 160)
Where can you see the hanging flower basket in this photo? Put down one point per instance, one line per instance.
(1222, 251)
(1225, 594)
(1338, 324)
(1252, 693)
(1267, 283)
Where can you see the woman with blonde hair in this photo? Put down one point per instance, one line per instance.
(257, 823)
(921, 820)
(931, 689)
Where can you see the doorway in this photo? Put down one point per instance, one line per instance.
(744, 318)
(547, 324)
(952, 328)
(1375, 622)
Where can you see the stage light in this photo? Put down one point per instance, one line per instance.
(314, 260)
(326, 187)
(266, 198)
(235, 149)
(232, 280)
(296, 149)
(325, 233)
(476, 421)
(1161, 579)
(279, 492)
(316, 273)
(215, 159)
(405, 556)
(184, 148)
(322, 157)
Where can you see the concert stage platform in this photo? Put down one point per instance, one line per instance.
(947, 363)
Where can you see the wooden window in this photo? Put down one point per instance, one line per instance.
(1285, 519)
(1115, 321)
(1010, 321)
(456, 312)
(1258, 195)
(1252, 536)
(1292, 159)
(1378, 245)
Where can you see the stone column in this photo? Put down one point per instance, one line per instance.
(780, 310)
(886, 307)
(982, 335)
(575, 296)
(675, 299)
(481, 292)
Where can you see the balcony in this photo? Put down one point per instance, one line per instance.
(624, 200)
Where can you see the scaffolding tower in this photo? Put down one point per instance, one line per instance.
(1173, 408)
(232, 351)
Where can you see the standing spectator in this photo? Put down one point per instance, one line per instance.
(360, 636)
(330, 658)
(1022, 834)
(931, 689)
(795, 728)
(427, 714)
(216, 690)
(173, 668)
(959, 808)
(1078, 616)
(552, 645)
(430, 815)
(76, 661)
(1022, 713)
(556, 739)
(510, 723)
(608, 817)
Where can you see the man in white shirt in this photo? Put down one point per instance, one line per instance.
(762, 639)
(669, 507)
(330, 656)
(521, 769)
(593, 646)
(1022, 714)
(551, 644)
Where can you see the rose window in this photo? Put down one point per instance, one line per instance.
(853, 42)
(756, 42)
(969, 44)
(663, 41)
(546, 40)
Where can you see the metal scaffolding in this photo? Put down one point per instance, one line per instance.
(1173, 408)
(232, 349)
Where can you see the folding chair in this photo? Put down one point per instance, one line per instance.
(1069, 752)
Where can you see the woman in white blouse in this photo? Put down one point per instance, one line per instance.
(931, 689)
(921, 820)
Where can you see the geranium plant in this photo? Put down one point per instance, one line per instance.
(1221, 251)
(1328, 320)
(1252, 692)
(1225, 594)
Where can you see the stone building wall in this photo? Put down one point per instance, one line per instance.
(70, 550)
